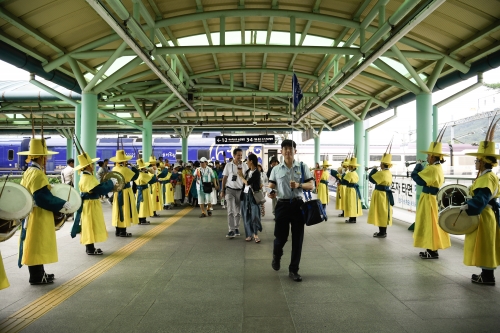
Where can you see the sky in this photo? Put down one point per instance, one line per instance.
(400, 127)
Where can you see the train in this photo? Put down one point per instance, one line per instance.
(170, 148)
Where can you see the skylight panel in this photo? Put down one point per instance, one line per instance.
(119, 63)
(316, 41)
(198, 40)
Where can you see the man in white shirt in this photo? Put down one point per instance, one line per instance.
(68, 172)
(231, 191)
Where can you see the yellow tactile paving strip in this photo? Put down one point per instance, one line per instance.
(52, 299)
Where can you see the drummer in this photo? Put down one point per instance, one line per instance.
(380, 213)
(427, 232)
(38, 237)
(323, 194)
(352, 197)
(93, 227)
(124, 209)
(482, 246)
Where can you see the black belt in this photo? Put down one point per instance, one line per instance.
(430, 190)
(234, 189)
(290, 200)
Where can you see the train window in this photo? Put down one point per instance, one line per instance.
(338, 157)
(178, 155)
(396, 158)
(410, 158)
(323, 157)
(375, 157)
(203, 153)
(10, 155)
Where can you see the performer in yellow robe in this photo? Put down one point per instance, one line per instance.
(427, 233)
(169, 189)
(90, 218)
(4, 282)
(155, 188)
(380, 213)
(482, 246)
(38, 235)
(124, 211)
(339, 175)
(323, 193)
(352, 197)
(144, 207)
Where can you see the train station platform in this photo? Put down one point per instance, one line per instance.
(181, 274)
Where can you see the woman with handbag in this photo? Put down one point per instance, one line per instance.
(263, 180)
(250, 209)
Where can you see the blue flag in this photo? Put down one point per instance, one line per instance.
(297, 92)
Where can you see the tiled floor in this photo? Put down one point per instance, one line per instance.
(190, 278)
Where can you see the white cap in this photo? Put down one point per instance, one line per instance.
(177, 165)
(203, 159)
(189, 165)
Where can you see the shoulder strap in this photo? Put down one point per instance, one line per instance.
(307, 194)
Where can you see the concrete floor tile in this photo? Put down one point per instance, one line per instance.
(386, 326)
(158, 327)
(338, 311)
(123, 323)
(454, 308)
(268, 325)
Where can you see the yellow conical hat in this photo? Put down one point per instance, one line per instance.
(353, 162)
(387, 159)
(435, 149)
(84, 160)
(487, 147)
(326, 164)
(120, 157)
(142, 164)
(38, 147)
(152, 160)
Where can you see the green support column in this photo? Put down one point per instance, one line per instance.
(78, 133)
(147, 139)
(435, 116)
(184, 149)
(69, 148)
(316, 149)
(367, 163)
(424, 130)
(359, 143)
(88, 124)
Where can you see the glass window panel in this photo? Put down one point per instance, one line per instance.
(315, 41)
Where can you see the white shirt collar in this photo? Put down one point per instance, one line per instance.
(36, 165)
(485, 171)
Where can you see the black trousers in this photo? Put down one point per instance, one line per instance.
(36, 273)
(289, 217)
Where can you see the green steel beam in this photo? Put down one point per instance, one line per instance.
(410, 69)
(89, 46)
(112, 116)
(82, 82)
(410, 86)
(256, 13)
(482, 53)
(116, 54)
(162, 107)
(138, 107)
(476, 37)
(366, 108)
(343, 106)
(431, 81)
(108, 82)
(252, 70)
(51, 91)
(278, 49)
(130, 78)
(362, 93)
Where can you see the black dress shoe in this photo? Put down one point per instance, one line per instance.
(51, 276)
(341, 215)
(276, 263)
(44, 280)
(125, 234)
(480, 279)
(295, 276)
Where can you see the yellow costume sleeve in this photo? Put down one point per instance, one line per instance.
(428, 175)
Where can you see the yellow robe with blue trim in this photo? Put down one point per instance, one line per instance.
(40, 245)
(4, 282)
(92, 217)
(339, 200)
(427, 233)
(482, 246)
(169, 190)
(129, 206)
(145, 206)
(380, 213)
(352, 204)
(156, 196)
(323, 194)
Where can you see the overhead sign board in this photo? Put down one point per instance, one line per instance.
(307, 134)
(220, 140)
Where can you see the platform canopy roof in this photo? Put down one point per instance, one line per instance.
(200, 64)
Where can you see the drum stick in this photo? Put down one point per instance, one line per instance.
(457, 217)
(5, 182)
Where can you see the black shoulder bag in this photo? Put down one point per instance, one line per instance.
(312, 210)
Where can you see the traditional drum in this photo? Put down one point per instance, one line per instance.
(66, 193)
(120, 185)
(451, 195)
(16, 203)
(457, 222)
